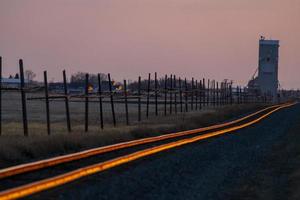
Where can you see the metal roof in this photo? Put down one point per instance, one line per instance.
(269, 42)
(12, 80)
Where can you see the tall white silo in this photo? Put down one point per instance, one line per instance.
(268, 67)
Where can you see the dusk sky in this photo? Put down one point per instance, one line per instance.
(215, 39)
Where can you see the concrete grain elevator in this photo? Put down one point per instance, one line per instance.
(266, 83)
(267, 79)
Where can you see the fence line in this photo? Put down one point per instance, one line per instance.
(171, 92)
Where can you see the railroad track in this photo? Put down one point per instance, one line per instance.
(27, 179)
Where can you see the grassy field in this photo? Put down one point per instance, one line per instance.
(12, 114)
(15, 148)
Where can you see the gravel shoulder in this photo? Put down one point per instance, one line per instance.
(279, 175)
(233, 166)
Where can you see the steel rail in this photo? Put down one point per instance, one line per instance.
(48, 183)
(27, 167)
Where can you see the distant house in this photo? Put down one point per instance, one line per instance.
(74, 88)
(12, 82)
(56, 87)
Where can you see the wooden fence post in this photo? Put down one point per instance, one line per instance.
(196, 95)
(86, 94)
(192, 94)
(156, 88)
(23, 96)
(139, 100)
(242, 95)
(112, 101)
(67, 101)
(204, 92)
(224, 93)
(47, 102)
(180, 95)
(126, 102)
(200, 94)
(171, 95)
(221, 93)
(217, 93)
(166, 94)
(239, 95)
(175, 94)
(213, 93)
(227, 93)
(186, 96)
(0, 95)
(100, 101)
(231, 99)
(246, 96)
(218, 96)
(208, 92)
(148, 94)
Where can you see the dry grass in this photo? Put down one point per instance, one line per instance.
(12, 111)
(15, 148)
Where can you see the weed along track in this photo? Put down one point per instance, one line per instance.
(27, 179)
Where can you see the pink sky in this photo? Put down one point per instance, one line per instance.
(214, 39)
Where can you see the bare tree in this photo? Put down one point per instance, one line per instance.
(79, 77)
(30, 75)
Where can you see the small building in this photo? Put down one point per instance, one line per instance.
(78, 88)
(12, 82)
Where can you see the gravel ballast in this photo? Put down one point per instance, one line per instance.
(209, 169)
